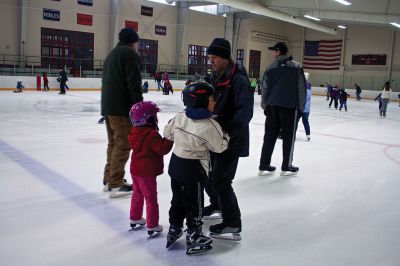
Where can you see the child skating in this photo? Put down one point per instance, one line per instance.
(194, 133)
(148, 149)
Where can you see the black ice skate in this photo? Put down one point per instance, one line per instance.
(269, 170)
(289, 171)
(197, 242)
(156, 231)
(223, 231)
(174, 233)
(211, 213)
(137, 224)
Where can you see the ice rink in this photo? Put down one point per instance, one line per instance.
(343, 208)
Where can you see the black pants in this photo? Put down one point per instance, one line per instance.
(219, 187)
(278, 120)
(187, 202)
(62, 88)
(335, 100)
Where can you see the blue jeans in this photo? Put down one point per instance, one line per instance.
(344, 103)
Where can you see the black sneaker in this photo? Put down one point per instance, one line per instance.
(269, 170)
(291, 170)
(121, 191)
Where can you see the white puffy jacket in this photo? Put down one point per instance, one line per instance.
(194, 139)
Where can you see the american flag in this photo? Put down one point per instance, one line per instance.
(323, 55)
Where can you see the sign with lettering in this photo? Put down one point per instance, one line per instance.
(161, 30)
(51, 14)
(85, 2)
(84, 19)
(146, 11)
(368, 59)
(132, 24)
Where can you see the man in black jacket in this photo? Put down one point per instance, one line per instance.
(121, 88)
(234, 110)
(283, 100)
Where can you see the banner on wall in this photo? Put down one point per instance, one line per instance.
(161, 30)
(132, 24)
(368, 59)
(85, 2)
(322, 55)
(84, 19)
(146, 11)
(51, 14)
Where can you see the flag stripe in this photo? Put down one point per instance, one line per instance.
(324, 54)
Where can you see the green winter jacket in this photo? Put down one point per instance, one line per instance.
(121, 82)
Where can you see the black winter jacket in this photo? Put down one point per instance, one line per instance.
(234, 108)
(284, 84)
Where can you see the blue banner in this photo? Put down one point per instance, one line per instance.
(51, 14)
(85, 2)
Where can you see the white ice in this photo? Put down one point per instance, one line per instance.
(343, 208)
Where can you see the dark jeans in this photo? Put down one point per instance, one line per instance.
(335, 99)
(219, 187)
(279, 120)
(187, 202)
(62, 88)
(304, 119)
(343, 103)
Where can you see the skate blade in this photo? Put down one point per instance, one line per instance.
(288, 173)
(120, 195)
(227, 236)
(213, 216)
(171, 242)
(265, 173)
(197, 250)
(153, 234)
(135, 227)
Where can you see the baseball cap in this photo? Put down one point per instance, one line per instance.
(280, 46)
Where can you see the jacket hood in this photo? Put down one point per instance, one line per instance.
(139, 135)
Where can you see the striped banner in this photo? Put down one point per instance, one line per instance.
(322, 55)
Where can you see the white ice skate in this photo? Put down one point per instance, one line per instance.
(290, 171)
(137, 224)
(156, 231)
(269, 170)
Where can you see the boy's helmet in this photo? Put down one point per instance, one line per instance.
(196, 94)
(143, 113)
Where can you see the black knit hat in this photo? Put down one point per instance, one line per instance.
(220, 47)
(128, 35)
(280, 46)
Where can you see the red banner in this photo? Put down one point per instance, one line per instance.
(132, 24)
(83, 19)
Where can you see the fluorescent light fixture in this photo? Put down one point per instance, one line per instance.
(343, 2)
(342, 27)
(395, 24)
(313, 18)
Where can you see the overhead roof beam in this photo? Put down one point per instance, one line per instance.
(259, 9)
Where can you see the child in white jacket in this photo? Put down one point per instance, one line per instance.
(194, 133)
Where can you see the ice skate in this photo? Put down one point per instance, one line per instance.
(124, 190)
(225, 232)
(290, 171)
(174, 233)
(308, 137)
(269, 170)
(155, 231)
(211, 213)
(136, 224)
(197, 242)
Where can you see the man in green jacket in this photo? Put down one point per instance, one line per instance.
(121, 88)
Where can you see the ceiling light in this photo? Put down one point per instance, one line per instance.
(313, 18)
(342, 27)
(395, 24)
(343, 2)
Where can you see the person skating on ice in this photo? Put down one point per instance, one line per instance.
(148, 149)
(195, 133)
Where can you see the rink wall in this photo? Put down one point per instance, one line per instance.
(94, 84)
(75, 84)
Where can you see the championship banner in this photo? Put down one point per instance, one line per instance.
(146, 11)
(85, 2)
(84, 19)
(132, 24)
(161, 30)
(51, 14)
